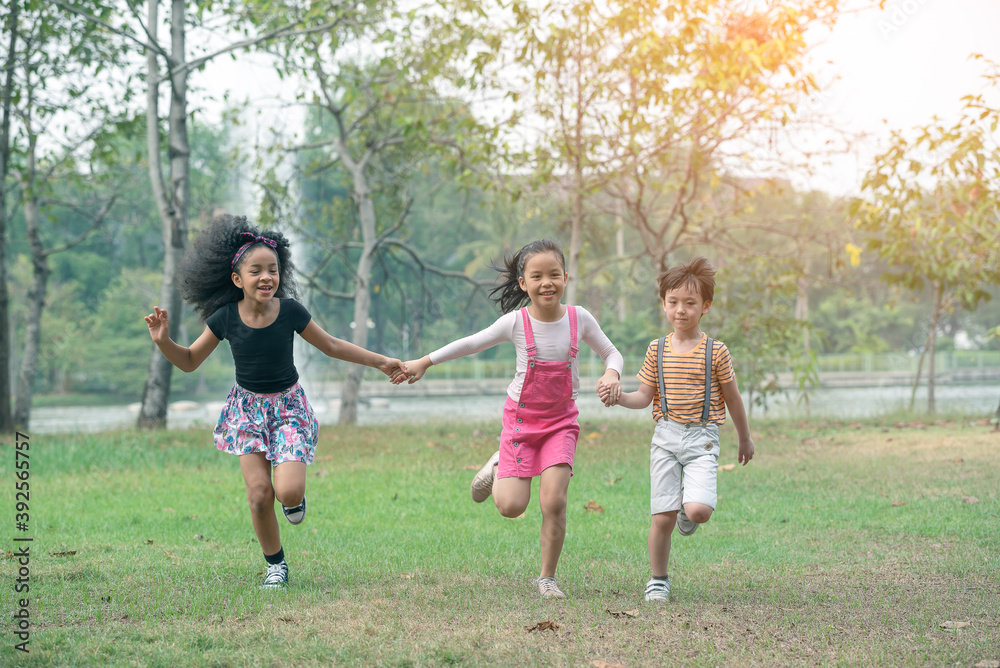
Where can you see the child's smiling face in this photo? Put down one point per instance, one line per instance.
(544, 279)
(684, 307)
(258, 274)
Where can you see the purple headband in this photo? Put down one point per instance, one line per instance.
(254, 239)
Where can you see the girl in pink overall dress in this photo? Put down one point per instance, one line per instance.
(539, 420)
(540, 429)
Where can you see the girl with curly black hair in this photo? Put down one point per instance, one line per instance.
(241, 281)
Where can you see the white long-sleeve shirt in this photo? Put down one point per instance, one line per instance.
(551, 344)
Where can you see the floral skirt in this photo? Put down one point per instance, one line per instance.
(281, 425)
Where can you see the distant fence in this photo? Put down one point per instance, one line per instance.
(473, 376)
(951, 366)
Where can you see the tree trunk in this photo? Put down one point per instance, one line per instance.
(932, 338)
(36, 302)
(620, 252)
(6, 421)
(172, 208)
(802, 308)
(929, 346)
(576, 222)
(362, 290)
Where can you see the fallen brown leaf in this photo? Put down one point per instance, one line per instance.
(547, 625)
(898, 503)
(958, 460)
(601, 663)
(969, 499)
(593, 507)
(727, 467)
(618, 614)
(406, 576)
(594, 434)
(67, 553)
(955, 625)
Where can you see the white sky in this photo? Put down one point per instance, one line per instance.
(898, 68)
(891, 69)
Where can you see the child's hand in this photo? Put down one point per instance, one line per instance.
(159, 324)
(745, 451)
(609, 388)
(415, 369)
(393, 368)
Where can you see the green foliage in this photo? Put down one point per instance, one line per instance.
(754, 315)
(929, 209)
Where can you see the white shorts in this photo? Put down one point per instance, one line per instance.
(683, 465)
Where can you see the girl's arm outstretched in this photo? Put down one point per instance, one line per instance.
(185, 359)
(344, 350)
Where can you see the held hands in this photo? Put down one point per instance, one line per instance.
(609, 388)
(415, 369)
(393, 368)
(159, 324)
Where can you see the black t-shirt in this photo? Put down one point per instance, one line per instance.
(263, 356)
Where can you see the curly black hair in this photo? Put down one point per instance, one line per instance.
(508, 295)
(205, 274)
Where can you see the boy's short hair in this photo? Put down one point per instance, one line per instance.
(698, 273)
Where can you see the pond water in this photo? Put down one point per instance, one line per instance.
(974, 399)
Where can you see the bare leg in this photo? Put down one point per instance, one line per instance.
(257, 474)
(552, 492)
(698, 513)
(290, 483)
(659, 541)
(511, 495)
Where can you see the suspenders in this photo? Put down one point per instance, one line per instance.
(709, 349)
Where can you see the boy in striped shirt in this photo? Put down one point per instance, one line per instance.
(684, 454)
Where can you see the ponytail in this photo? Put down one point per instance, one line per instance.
(508, 295)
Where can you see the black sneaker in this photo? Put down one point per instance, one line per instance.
(276, 576)
(296, 514)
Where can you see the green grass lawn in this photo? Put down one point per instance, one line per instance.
(840, 544)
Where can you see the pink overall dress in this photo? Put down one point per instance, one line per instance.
(540, 430)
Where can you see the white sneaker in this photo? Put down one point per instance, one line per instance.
(658, 590)
(684, 525)
(295, 514)
(482, 484)
(548, 588)
(275, 577)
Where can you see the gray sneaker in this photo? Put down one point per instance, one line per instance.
(548, 588)
(295, 514)
(684, 525)
(482, 484)
(275, 577)
(658, 590)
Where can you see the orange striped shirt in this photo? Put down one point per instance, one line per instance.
(684, 381)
